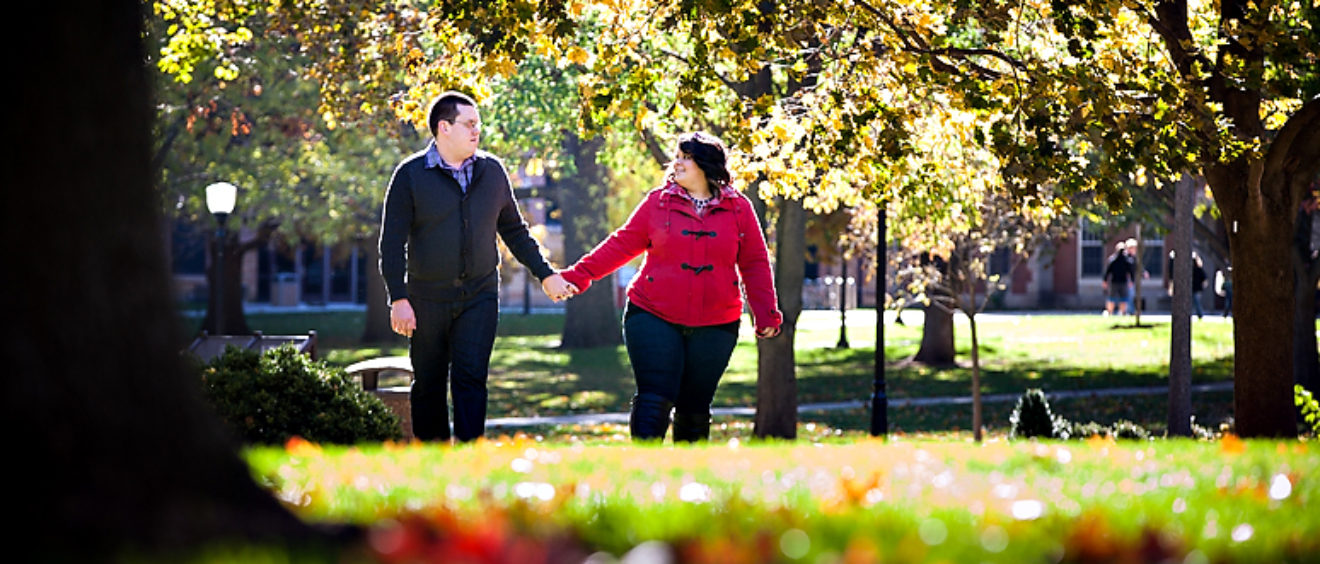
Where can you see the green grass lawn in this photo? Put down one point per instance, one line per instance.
(531, 375)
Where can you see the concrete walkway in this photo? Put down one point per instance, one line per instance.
(894, 403)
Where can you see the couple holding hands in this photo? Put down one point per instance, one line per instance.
(703, 249)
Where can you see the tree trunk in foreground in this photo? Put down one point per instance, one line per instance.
(936, 336)
(1306, 363)
(590, 320)
(776, 368)
(1263, 301)
(125, 454)
(1180, 339)
(377, 329)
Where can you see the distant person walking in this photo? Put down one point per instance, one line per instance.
(1118, 273)
(1198, 284)
(1224, 288)
(443, 208)
(1138, 271)
(704, 249)
(1198, 281)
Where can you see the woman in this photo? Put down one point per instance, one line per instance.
(704, 249)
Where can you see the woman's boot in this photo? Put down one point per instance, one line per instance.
(691, 427)
(649, 419)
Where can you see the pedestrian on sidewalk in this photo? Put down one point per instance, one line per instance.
(1224, 287)
(1115, 280)
(1198, 281)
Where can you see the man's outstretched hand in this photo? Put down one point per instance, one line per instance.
(557, 288)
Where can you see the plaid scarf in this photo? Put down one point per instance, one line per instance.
(700, 205)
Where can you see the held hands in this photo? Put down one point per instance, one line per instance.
(402, 319)
(557, 288)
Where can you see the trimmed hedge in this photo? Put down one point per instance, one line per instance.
(1032, 417)
(268, 398)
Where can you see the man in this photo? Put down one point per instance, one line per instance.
(1198, 281)
(439, 260)
(1136, 270)
(1115, 281)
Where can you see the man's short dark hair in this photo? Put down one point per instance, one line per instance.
(445, 107)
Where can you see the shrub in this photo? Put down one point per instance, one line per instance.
(1031, 417)
(1202, 432)
(1124, 429)
(1309, 407)
(270, 397)
(1073, 430)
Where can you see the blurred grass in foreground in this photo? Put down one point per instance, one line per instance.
(827, 501)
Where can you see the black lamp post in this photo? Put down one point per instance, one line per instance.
(879, 398)
(220, 199)
(843, 307)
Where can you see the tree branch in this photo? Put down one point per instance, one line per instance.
(158, 160)
(1295, 151)
(916, 44)
(653, 146)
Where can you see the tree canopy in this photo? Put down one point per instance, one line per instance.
(828, 101)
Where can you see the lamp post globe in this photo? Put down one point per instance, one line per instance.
(220, 200)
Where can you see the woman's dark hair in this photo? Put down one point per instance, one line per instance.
(708, 152)
(445, 107)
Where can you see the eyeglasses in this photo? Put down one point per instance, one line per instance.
(471, 124)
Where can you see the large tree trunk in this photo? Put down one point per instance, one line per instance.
(130, 456)
(1306, 364)
(1180, 346)
(936, 335)
(377, 327)
(1260, 230)
(776, 374)
(590, 320)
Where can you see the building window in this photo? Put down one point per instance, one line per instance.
(1000, 261)
(1093, 249)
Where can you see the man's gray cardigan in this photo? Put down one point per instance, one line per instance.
(443, 238)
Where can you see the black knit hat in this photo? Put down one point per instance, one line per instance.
(708, 152)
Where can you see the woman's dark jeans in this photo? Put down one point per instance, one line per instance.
(675, 367)
(451, 349)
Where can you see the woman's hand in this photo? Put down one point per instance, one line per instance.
(767, 333)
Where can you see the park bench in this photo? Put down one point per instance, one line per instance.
(370, 370)
(397, 398)
(207, 346)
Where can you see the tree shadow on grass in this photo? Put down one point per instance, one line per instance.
(1210, 409)
(553, 381)
(844, 377)
(1125, 326)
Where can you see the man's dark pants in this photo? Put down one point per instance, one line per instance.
(452, 345)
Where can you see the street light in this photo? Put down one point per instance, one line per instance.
(220, 199)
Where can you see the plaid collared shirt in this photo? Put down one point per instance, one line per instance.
(463, 174)
(700, 205)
